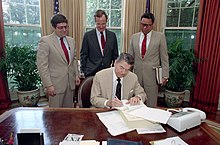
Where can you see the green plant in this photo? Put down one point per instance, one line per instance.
(20, 64)
(182, 75)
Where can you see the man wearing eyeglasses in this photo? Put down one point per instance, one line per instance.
(149, 48)
(99, 47)
(57, 64)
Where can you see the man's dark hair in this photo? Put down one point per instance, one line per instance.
(148, 16)
(99, 14)
(126, 57)
(58, 18)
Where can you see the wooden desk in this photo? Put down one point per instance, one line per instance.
(57, 123)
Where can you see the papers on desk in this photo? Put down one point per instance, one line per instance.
(155, 129)
(152, 114)
(169, 141)
(139, 117)
(126, 107)
(114, 122)
(144, 112)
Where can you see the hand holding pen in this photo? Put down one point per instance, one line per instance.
(115, 102)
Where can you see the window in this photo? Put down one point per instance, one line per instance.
(113, 9)
(181, 21)
(22, 21)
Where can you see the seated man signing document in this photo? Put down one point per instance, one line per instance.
(112, 85)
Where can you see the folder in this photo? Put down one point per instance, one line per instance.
(158, 71)
(113, 141)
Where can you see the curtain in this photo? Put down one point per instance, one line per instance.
(132, 14)
(207, 50)
(46, 9)
(4, 92)
(73, 10)
(158, 9)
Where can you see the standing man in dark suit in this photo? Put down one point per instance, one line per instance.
(149, 49)
(99, 47)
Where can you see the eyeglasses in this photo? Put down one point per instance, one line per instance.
(146, 25)
(61, 27)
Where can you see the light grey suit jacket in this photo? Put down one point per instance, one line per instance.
(103, 85)
(53, 66)
(156, 55)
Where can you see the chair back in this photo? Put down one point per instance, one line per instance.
(84, 92)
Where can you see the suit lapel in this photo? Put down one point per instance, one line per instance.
(71, 48)
(126, 88)
(96, 42)
(150, 46)
(58, 46)
(136, 43)
(108, 37)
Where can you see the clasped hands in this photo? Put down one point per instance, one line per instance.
(115, 102)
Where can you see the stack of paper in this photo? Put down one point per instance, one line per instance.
(139, 117)
(144, 112)
(114, 122)
(169, 141)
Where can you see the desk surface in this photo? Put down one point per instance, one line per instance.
(57, 123)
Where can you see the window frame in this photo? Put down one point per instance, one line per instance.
(109, 27)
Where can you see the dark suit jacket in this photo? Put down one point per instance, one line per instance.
(91, 58)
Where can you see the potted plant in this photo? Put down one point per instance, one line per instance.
(20, 64)
(182, 75)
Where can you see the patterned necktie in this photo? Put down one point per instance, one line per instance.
(102, 40)
(64, 49)
(143, 46)
(118, 89)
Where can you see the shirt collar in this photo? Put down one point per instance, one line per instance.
(148, 34)
(114, 75)
(97, 32)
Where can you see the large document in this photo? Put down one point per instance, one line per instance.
(128, 118)
(114, 122)
(133, 112)
(152, 114)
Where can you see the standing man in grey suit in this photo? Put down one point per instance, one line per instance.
(57, 64)
(149, 49)
(99, 47)
(105, 88)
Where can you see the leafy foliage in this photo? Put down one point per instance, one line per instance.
(20, 65)
(182, 75)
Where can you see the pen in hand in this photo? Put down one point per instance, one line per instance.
(116, 102)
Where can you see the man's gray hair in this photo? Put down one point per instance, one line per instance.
(126, 57)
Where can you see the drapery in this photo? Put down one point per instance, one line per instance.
(4, 92)
(132, 14)
(207, 50)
